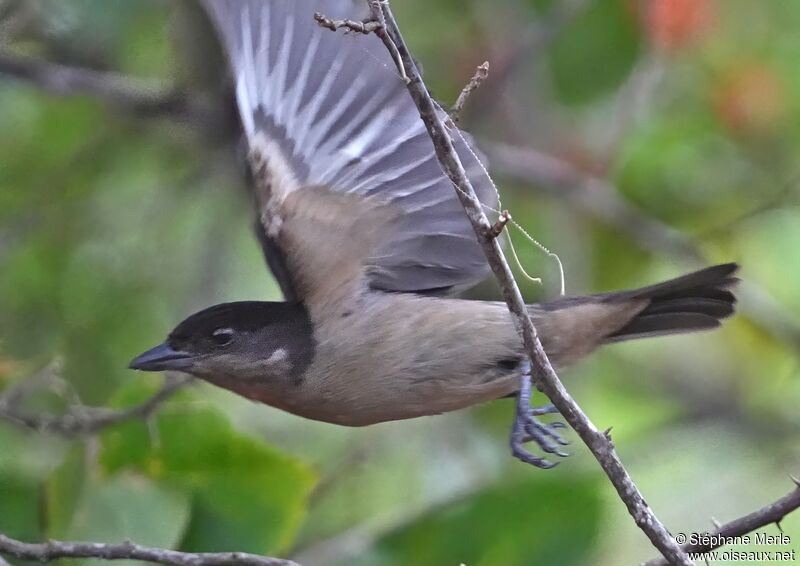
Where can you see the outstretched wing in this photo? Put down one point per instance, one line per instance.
(329, 111)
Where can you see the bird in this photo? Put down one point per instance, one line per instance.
(370, 246)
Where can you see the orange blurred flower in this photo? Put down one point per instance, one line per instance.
(751, 100)
(672, 24)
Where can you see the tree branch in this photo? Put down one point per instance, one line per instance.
(53, 550)
(767, 515)
(366, 26)
(546, 378)
(137, 96)
(481, 74)
(80, 420)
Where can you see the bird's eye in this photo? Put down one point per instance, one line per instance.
(222, 336)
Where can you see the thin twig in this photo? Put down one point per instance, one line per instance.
(767, 515)
(500, 225)
(375, 24)
(133, 96)
(362, 26)
(545, 375)
(481, 74)
(139, 96)
(81, 420)
(376, 8)
(53, 550)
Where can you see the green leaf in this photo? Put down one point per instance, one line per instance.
(27, 454)
(596, 53)
(130, 506)
(247, 495)
(19, 515)
(25, 460)
(680, 168)
(63, 492)
(539, 521)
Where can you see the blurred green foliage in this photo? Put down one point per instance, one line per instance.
(532, 526)
(114, 226)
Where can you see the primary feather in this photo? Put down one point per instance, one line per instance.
(329, 109)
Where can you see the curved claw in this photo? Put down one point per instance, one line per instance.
(557, 437)
(542, 436)
(519, 452)
(548, 409)
(546, 428)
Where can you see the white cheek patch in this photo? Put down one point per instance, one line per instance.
(278, 356)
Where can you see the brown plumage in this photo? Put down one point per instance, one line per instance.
(366, 237)
(572, 327)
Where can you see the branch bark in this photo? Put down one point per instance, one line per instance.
(81, 420)
(481, 74)
(599, 443)
(138, 96)
(131, 96)
(54, 549)
(767, 515)
(365, 27)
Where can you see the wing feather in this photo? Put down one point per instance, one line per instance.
(329, 110)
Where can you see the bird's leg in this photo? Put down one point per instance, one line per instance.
(527, 427)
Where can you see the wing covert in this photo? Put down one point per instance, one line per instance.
(329, 110)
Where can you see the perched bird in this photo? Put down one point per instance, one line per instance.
(366, 237)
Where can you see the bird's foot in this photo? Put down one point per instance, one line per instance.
(527, 428)
(548, 409)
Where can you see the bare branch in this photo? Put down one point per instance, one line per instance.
(499, 226)
(375, 24)
(546, 377)
(767, 515)
(81, 420)
(481, 74)
(363, 26)
(376, 8)
(138, 96)
(53, 550)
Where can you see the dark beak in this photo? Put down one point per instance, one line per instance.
(162, 358)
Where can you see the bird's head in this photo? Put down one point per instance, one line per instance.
(236, 343)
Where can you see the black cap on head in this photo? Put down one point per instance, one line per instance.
(244, 333)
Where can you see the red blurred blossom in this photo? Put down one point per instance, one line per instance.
(751, 100)
(672, 24)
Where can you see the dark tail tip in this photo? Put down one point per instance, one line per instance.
(696, 301)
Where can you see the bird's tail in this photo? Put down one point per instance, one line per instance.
(572, 327)
(697, 301)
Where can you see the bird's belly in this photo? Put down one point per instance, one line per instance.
(400, 397)
(379, 365)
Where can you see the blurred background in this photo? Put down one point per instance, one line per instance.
(638, 139)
